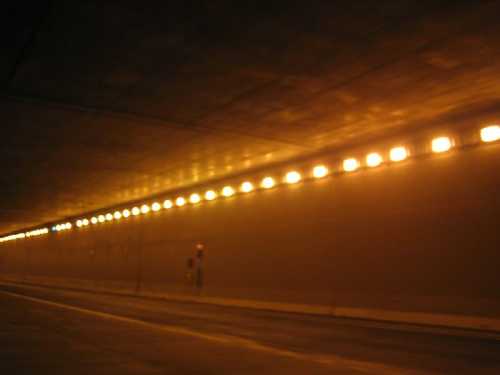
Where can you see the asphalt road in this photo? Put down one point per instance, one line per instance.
(47, 331)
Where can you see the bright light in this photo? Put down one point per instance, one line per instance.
(441, 144)
(101, 218)
(490, 133)
(267, 183)
(79, 223)
(398, 153)
(292, 177)
(117, 215)
(350, 165)
(93, 220)
(210, 195)
(167, 204)
(320, 171)
(136, 211)
(68, 225)
(246, 187)
(85, 222)
(227, 191)
(109, 217)
(194, 198)
(58, 227)
(125, 213)
(156, 206)
(180, 201)
(373, 159)
(144, 208)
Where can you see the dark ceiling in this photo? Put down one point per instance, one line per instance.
(104, 102)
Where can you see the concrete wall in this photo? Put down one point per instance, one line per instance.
(420, 236)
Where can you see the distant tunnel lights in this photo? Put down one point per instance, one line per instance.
(398, 153)
(246, 187)
(490, 133)
(292, 177)
(350, 165)
(210, 195)
(441, 144)
(320, 171)
(267, 183)
(373, 159)
(227, 191)
(194, 198)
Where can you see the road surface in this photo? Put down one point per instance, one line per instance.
(55, 331)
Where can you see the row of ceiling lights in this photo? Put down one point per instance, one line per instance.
(374, 159)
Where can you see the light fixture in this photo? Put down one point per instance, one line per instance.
(292, 177)
(398, 153)
(85, 222)
(93, 220)
(320, 171)
(373, 159)
(136, 211)
(350, 165)
(180, 201)
(194, 198)
(144, 209)
(79, 223)
(101, 218)
(441, 144)
(210, 195)
(490, 133)
(109, 217)
(227, 191)
(167, 203)
(267, 182)
(117, 215)
(125, 213)
(68, 225)
(156, 206)
(246, 187)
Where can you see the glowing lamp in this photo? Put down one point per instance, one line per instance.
(194, 198)
(227, 191)
(490, 133)
(267, 183)
(373, 159)
(210, 195)
(246, 187)
(398, 153)
(320, 171)
(292, 177)
(350, 165)
(441, 144)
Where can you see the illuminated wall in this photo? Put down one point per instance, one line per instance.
(398, 235)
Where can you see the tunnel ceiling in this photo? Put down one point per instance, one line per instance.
(104, 102)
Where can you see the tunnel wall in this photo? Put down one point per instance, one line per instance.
(419, 236)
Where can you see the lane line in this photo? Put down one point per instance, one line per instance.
(329, 360)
